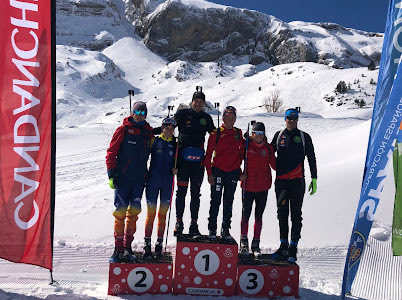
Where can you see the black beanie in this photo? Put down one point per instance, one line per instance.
(258, 126)
(199, 94)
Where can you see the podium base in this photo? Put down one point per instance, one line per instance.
(205, 267)
(264, 277)
(145, 276)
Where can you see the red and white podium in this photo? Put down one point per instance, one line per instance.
(264, 277)
(143, 277)
(205, 267)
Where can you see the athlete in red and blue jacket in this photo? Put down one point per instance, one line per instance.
(126, 162)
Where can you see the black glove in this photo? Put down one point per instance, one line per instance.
(111, 173)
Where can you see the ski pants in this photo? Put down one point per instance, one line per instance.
(193, 172)
(226, 182)
(260, 199)
(127, 200)
(290, 193)
(154, 188)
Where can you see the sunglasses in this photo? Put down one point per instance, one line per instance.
(259, 132)
(230, 109)
(139, 112)
(292, 118)
(168, 122)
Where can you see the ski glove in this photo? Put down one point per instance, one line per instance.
(313, 186)
(111, 173)
(111, 184)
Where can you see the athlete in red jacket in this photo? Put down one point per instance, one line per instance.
(260, 160)
(126, 162)
(223, 172)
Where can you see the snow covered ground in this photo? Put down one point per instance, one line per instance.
(91, 97)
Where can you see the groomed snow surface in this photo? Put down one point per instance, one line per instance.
(91, 92)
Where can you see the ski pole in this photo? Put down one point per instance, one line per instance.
(243, 192)
(130, 92)
(217, 107)
(246, 155)
(245, 161)
(170, 107)
(171, 195)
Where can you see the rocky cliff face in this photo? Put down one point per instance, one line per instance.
(90, 24)
(200, 31)
(176, 30)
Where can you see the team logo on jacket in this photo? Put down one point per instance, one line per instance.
(203, 122)
(297, 139)
(263, 153)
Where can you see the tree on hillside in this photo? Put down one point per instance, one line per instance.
(371, 66)
(341, 87)
(273, 102)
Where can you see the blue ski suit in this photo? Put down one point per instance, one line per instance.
(163, 152)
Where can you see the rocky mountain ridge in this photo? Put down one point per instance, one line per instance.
(191, 30)
(200, 31)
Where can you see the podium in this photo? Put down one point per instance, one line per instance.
(143, 277)
(205, 267)
(264, 277)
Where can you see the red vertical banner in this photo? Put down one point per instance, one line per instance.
(27, 137)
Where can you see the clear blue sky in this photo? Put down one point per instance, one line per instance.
(367, 15)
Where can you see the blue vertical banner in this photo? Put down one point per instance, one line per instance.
(387, 115)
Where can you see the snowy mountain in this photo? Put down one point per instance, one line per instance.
(162, 50)
(201, 31)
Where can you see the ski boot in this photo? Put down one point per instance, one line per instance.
(255, 248)
(212, 235)
(226, 234)
(116, 257)
(158, 248)
(193, 230)
(292, 254)
(128, 255)
(282, 253)
(178, 229)
(147, 248)
(244, 251)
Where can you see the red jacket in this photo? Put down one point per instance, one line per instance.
(129, 149)
(260, 160)
(229, 151)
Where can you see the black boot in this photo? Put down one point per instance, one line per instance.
(255, 247)
(292, 254)
(116, 257)
(212, 234)
(225, 234)
(193, 230)
(282, 253)
(147, 248)
(244, 251)
(178, 229)
(158, 248)
(128, 255)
